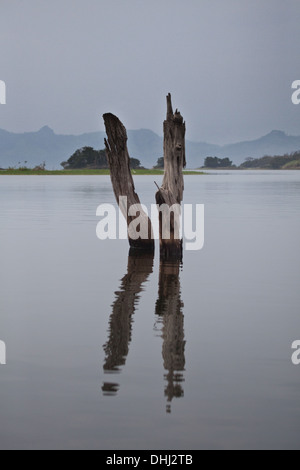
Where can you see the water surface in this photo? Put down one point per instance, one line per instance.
(110, 352)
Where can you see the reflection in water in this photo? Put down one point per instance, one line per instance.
(140, 266)
(169, 307)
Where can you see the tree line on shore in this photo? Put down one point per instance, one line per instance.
(276, 162)
(89, 158)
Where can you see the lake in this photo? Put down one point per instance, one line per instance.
(110, 352)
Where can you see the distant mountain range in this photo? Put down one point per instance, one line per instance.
(45, 145)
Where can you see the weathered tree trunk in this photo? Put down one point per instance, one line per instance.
(171, 191)
(123, 185)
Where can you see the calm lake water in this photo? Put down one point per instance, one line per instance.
(106, 352)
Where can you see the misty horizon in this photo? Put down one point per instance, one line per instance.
(47, 127)
(229, 65)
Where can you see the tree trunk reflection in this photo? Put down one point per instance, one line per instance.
(140, 266)
(169, 310)
(169, 307)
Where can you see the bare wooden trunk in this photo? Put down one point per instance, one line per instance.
(122, 181)
(171, 191)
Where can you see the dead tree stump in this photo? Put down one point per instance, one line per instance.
(123, 185)
(171, 192)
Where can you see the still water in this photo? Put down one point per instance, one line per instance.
(110, 352)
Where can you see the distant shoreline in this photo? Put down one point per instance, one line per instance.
(29, 172)
(249, 169)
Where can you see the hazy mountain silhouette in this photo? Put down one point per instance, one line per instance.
(274, 143)
(45, 145)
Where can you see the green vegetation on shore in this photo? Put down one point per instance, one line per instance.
(89, 158)
(277, 162)
(293, 165)
(87, 161)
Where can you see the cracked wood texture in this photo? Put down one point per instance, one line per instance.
(171, 191)
(122, 181)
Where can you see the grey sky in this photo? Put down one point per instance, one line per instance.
(229, 65)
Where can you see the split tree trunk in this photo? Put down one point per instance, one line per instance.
(122, 181)
(170, 194)
(171, 191)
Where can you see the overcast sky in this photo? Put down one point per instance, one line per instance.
(229, 65)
